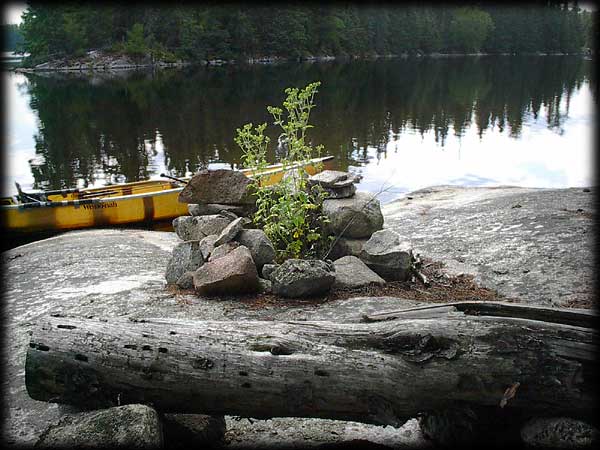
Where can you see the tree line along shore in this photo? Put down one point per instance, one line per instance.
(254, 32)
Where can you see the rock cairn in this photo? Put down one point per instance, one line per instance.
(363, 252)
(337, 184)
(221, 255)
(217, 255)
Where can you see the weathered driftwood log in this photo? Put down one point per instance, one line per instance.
(383, 370)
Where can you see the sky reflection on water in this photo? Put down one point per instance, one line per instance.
(536, 155)
(539, 157)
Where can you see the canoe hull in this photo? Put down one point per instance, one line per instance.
(141, 208)
(143, 202)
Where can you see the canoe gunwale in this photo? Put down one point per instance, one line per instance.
(89, 201)
(58, 215)
(269, 170)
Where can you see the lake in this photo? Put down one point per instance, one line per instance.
(402, 123)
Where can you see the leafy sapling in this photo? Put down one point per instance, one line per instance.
(290, 211)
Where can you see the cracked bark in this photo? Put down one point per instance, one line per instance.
(383, 370)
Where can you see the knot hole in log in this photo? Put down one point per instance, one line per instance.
(202, 363)
(275, 348)
(417, 348)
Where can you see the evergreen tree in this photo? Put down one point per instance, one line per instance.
(136, 43)
(468, 29)
(228, 31)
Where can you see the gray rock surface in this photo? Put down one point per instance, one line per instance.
(331, 178)
(211, 224)
(207, 245)
(268, 269)
(355, 217)
(110, 273)
(223, 250)
(351, 272)
(335, 183)
(233, 273)
(532, 245)
(194, 228)
(129, 426)
(558, 432)
(265, 286)
(205, 209)
(302, 278)
(346, 247)
(388, 255)
(184, 431)
(346, 191)
(229, 215)
(223, 186)
(183, 226)
(186, 257)
(97, 62)
(321, 434)
(260, 246)
(186, 281)
(231, 231)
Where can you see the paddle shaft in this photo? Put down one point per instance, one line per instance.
(173, 178)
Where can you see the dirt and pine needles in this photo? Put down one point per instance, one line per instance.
(441, 287)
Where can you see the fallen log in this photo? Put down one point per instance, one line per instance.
(383, 370)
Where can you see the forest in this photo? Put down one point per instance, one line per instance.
(239, 32)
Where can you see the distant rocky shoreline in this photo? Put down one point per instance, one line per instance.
(98, 61)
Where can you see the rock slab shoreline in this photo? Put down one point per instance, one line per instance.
(534, 245)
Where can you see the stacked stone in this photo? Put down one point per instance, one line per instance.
(364, 253)
(300, 277)
(337, 184)
(220, 191)
(308, 278)
(218, 256)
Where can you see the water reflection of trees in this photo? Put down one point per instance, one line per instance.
(110, 127)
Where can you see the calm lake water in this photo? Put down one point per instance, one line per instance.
(403, 124)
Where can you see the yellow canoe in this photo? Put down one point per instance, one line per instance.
(122, 204)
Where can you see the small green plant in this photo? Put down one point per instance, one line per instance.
(290, 212)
